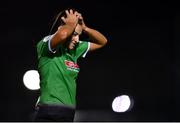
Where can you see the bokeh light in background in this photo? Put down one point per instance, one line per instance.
(31, 80)
(122, 103)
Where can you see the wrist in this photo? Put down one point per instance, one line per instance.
(85, 29)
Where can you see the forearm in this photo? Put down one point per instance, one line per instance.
(61, 35)
(95, 36)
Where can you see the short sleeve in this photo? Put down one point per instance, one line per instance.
(43, 48)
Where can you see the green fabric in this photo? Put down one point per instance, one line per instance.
(58, 72)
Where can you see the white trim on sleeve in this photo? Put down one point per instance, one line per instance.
(49, 44)
(84, 55)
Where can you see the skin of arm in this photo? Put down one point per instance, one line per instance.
(66, 30)
(98, 40)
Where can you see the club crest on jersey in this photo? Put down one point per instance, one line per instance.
(71, 66)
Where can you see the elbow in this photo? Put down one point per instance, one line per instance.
(105, 41)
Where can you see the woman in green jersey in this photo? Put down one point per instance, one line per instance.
(58, 54)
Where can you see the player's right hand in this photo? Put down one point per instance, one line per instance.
(71, 19)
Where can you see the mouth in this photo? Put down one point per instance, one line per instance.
(73, 45)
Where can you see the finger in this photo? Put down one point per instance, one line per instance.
(76, 13)
(81, 19)
(71, 11)
(67, 12)
(80, 16)
(63, 19)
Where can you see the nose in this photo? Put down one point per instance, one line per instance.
(75, 39)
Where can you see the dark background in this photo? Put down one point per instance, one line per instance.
(141, 59)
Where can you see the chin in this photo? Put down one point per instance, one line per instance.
(71, 48)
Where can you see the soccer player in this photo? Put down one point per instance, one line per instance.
(58, 54)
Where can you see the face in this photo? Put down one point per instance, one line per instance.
(75, 37)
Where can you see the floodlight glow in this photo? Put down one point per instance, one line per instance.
(31, 80)
(121, 103)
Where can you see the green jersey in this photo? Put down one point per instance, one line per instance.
(58, 72)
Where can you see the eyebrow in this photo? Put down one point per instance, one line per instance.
(75, 33)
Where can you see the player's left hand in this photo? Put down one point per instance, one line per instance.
(81, 22)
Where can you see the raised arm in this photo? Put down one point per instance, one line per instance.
(66, 30)
(98, 40)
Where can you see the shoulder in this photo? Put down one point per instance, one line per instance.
(44, 40)
(47, 38)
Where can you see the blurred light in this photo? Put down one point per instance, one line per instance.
(121, 103)
(31, 80)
